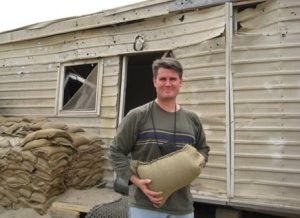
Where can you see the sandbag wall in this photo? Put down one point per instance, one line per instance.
(40, 160)
(86, 168)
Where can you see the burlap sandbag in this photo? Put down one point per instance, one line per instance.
(37, 143)
(54, 125)
(29, 156)
(54, 158)
(74, 129)
(8, 194)
(172, 171)
(46, 134)
(37, 197)
(92, 138)
(37, 125)
(79, 139)
(25, 192)
(4, 143)
(62, 141)
(48, 151)
(18, 129)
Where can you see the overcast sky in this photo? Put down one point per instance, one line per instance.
(18, 13)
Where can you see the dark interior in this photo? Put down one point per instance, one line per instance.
(139, 87)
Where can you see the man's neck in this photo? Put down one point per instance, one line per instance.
(169, 106)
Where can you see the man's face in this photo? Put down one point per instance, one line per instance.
(167, 84)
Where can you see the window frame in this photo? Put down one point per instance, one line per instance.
(60, 88)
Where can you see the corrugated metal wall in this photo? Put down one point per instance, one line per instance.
(267, 105)
(30, 69)
(266, 90)
(203, 92)
(266, 87)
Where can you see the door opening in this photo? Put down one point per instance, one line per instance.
(139, 85)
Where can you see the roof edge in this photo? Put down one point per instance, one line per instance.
(142, 10)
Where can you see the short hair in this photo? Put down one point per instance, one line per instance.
(168, 63)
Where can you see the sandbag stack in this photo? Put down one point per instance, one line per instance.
(86, 168)
(19, 126)
(35, 170)
(43, 162)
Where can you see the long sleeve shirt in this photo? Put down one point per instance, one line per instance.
(141, 135)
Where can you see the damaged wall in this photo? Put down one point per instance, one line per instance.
(264, 151)
(203, 92)
(266, 88)
(271, 17)
(260, 166)
(32, 67)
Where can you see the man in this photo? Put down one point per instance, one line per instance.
(151, 131)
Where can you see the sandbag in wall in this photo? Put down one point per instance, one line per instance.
(44, 161)
(86, 168)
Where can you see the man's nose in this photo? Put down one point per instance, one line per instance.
(168, 82)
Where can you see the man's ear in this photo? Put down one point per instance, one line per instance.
(154, 82)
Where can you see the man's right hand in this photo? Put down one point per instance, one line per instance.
(155, 197)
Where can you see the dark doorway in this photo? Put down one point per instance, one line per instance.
(139, 86)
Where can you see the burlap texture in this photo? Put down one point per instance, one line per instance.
(39, 160)
(74, 129)
(79, 139)
(54, 125)
(171, 172)
(46, 134)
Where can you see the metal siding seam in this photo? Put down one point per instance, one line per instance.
(122, 90)
(229, 103)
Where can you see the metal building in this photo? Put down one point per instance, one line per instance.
(241, 64)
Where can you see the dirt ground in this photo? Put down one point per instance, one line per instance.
(21, 213)
(74, 200)
(84, 200)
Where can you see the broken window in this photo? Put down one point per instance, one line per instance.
(79, 87)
